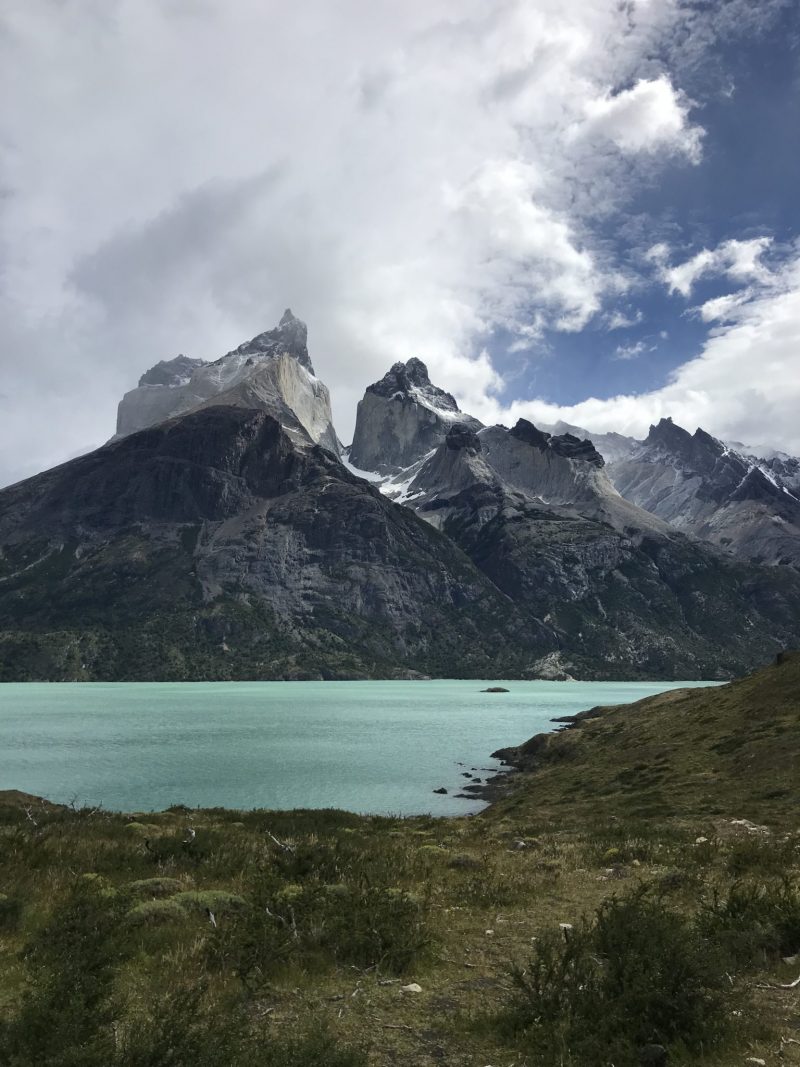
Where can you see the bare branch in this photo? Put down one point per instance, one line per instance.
(281, 844)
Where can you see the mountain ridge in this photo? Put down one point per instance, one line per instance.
(259, 552)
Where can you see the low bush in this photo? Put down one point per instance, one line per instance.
(762, 856)
(155, 913)
(637, 974)
(315, 925)
(754, 922)
(188, 1028)
(155, 887)
(10, 912)
(65, 1018)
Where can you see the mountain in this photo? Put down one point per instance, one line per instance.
(626, 595)
(611, 446)
(744, 499)
(782, 466)
(402, 418)
(272, 372)
(227, 538)
(701, 486)
(221, 544)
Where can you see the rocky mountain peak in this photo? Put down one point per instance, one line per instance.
(698, 452)
(530, 434)
(403, 417)
(411, 380)
(272, 372)
(463, 437)
(289, 337)
(566, 444)
(574, 448)
(703, 487)
(171, 372)
(669, 435)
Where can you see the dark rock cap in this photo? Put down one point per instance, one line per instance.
(691, 447)
(289, 337)
(403, 377)
(171, 371)
(565, 444)
(530, 434)
(462, 437)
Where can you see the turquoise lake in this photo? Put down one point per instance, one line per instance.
(377, 747)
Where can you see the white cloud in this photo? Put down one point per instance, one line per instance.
(633, 351)
(648, 117)
(618, 320)
(738, 260)
(407, 177)
(745, 384)
(527, 249)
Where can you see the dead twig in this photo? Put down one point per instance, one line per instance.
(281, 844)
(780, 985)
(393, 1026)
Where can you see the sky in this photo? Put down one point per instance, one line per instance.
(574, 209)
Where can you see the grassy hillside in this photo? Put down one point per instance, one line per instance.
(684, 753)
(662, 834)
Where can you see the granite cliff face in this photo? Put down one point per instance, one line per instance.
(272, 372)
(402, 418)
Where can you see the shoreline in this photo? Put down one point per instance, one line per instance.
(515, 760)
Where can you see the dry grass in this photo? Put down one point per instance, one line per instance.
(455, 902)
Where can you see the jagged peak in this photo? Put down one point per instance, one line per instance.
(709, 442)
(290, 337)
(572, 447)
(530, 434)
(411, 379)
(171, 372)
(698, 449)
(566, 444)
(667, 432)
(462, 437)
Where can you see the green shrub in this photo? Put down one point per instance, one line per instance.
(155, 913)
(182, 1030)
(754, 922)
(619, 842)
(319, 925)
(155, 887)
(64, 1019)
(219, 901)
(762, 856)
(188, 1028)
(638, 973)
(10, 912)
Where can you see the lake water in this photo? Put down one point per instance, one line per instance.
(379, 747)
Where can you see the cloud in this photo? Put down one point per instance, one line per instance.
(618, 320)
(744, 385)
(626, 352)
(526, 248)
(408, 178)
(740, 261)
(649, 116)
